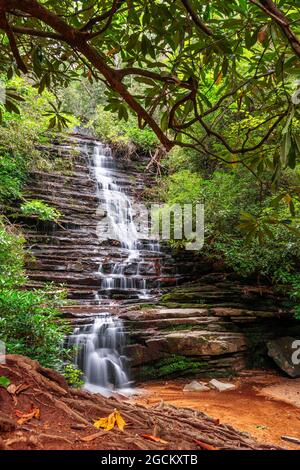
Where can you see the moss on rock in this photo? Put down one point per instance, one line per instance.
(173, 365)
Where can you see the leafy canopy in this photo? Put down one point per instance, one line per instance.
(199, 62)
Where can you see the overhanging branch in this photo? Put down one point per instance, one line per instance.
(269, 7)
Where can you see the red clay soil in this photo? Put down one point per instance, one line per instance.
(257, 406)
(67, 416)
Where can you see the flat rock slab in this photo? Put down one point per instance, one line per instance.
(287, 390)
(205, 343)
(195, 386)
(221, 386)
(286, 353)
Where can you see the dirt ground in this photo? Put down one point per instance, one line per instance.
(264, 405)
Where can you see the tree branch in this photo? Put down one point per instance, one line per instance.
(12, 42)
(198, 22)
(242, 150)
(108, 14)
(78, 40)
(269, 7)
(36, 32)
(155, 76)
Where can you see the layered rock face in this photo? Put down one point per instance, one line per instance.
(216, 325)
(70, 252)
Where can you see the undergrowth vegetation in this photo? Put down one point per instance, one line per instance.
(30, 320)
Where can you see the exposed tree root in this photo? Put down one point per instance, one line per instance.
(67, 417)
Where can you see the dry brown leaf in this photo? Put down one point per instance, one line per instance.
(92, 437)
(25, 417)
(154, 438)
(110, 421)
(262, 34)
(12, 389)
(15, 390)
(21, 388)
(219, 78)
(205, 446)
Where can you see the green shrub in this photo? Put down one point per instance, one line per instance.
(30, 325)
(11, 257)
(41, 210)
(30, 322)
(73, 375)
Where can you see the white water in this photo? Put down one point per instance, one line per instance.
(100, 345)
(98, 354)
(120, 218)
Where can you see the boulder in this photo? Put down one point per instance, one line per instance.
(221, 386)
(195, 386)
(286, 353)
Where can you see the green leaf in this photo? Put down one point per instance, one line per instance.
(292, 156)
(250, 38)
(285, 148)
(289, 121)
(52, 123)
(123, 113)
(164, 122)
(4, 381)
(205, 99)
(292, 208)
(145, 80)
(11, 107)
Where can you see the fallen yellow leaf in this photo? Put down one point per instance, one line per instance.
(110, 421)
(120, 421)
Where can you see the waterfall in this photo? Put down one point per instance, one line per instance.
(98, 350)
(99, 346)
(120, 219)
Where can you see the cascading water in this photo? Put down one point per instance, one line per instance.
(122, 228)
(99, 346)
(99, 354)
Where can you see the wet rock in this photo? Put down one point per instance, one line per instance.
(221, 386)
(284, 352)
(195, 386)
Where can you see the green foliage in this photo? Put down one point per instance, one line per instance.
(217, 77)
(82, 97)
(30, 325)
(41, 210)
(11, 257)
(30, 321)
(12, 176)
(107, 126)
(291, 282)
(57, 119)
(234, 208)
(20, 135)
(294, 293)
(73, 375)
